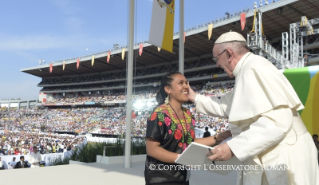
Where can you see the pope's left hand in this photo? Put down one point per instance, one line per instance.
(220, 152)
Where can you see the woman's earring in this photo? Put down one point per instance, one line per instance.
(167, 100)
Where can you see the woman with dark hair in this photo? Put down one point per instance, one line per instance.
(170, 129)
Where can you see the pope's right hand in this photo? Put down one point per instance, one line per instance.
(191, 94)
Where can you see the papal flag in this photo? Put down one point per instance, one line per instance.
(162, 25)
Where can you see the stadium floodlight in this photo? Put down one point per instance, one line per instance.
(149, 104)
(138, 104)
(260, 3)
(255, 5)
(266, 2)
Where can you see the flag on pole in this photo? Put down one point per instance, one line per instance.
(210, 31)
(243, 20)
(123, 53)
(93, 60)
(158, 49)
(51, 68)
(108, 57)
(140, 51)
(77, 63)
(162, 24)
(63, 65)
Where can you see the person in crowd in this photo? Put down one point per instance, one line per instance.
(35, 158)
(263, 119)
(31, 148)
(61, 148)
(170, 129)
(21, 163)
(13, 162)
(1, 164)
(206, 133)
(17, 152)
(53, 148)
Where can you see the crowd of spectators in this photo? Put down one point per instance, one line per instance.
(84, 120)
(22, 143)
(111, 120)
(87, 97)
(212, 90)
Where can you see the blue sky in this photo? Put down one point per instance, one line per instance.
(61, 29)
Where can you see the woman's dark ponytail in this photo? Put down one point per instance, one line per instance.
(166, 81)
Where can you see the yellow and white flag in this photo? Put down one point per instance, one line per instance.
(162, 25)
(123, 53)
(210, 31)
(93, 60)
(63, 65)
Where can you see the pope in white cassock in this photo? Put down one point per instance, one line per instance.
(263, 119)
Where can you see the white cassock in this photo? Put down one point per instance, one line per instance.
(35, 158)
(266, 127)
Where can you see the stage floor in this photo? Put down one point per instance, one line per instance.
(95, 173)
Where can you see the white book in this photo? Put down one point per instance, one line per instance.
(195, 157)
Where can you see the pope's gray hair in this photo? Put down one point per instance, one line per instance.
(239, 47)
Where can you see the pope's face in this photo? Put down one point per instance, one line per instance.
(222, 59)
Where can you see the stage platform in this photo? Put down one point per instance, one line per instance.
(96, 173)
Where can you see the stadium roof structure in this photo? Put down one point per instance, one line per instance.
(277, 17)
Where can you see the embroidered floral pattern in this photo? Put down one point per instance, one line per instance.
(166, 115)
(179, 126)
(178, 134)
(192, 133)
(193, 122)
(180, 144)
(188, 126)
(153, 116)
(167, 121)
